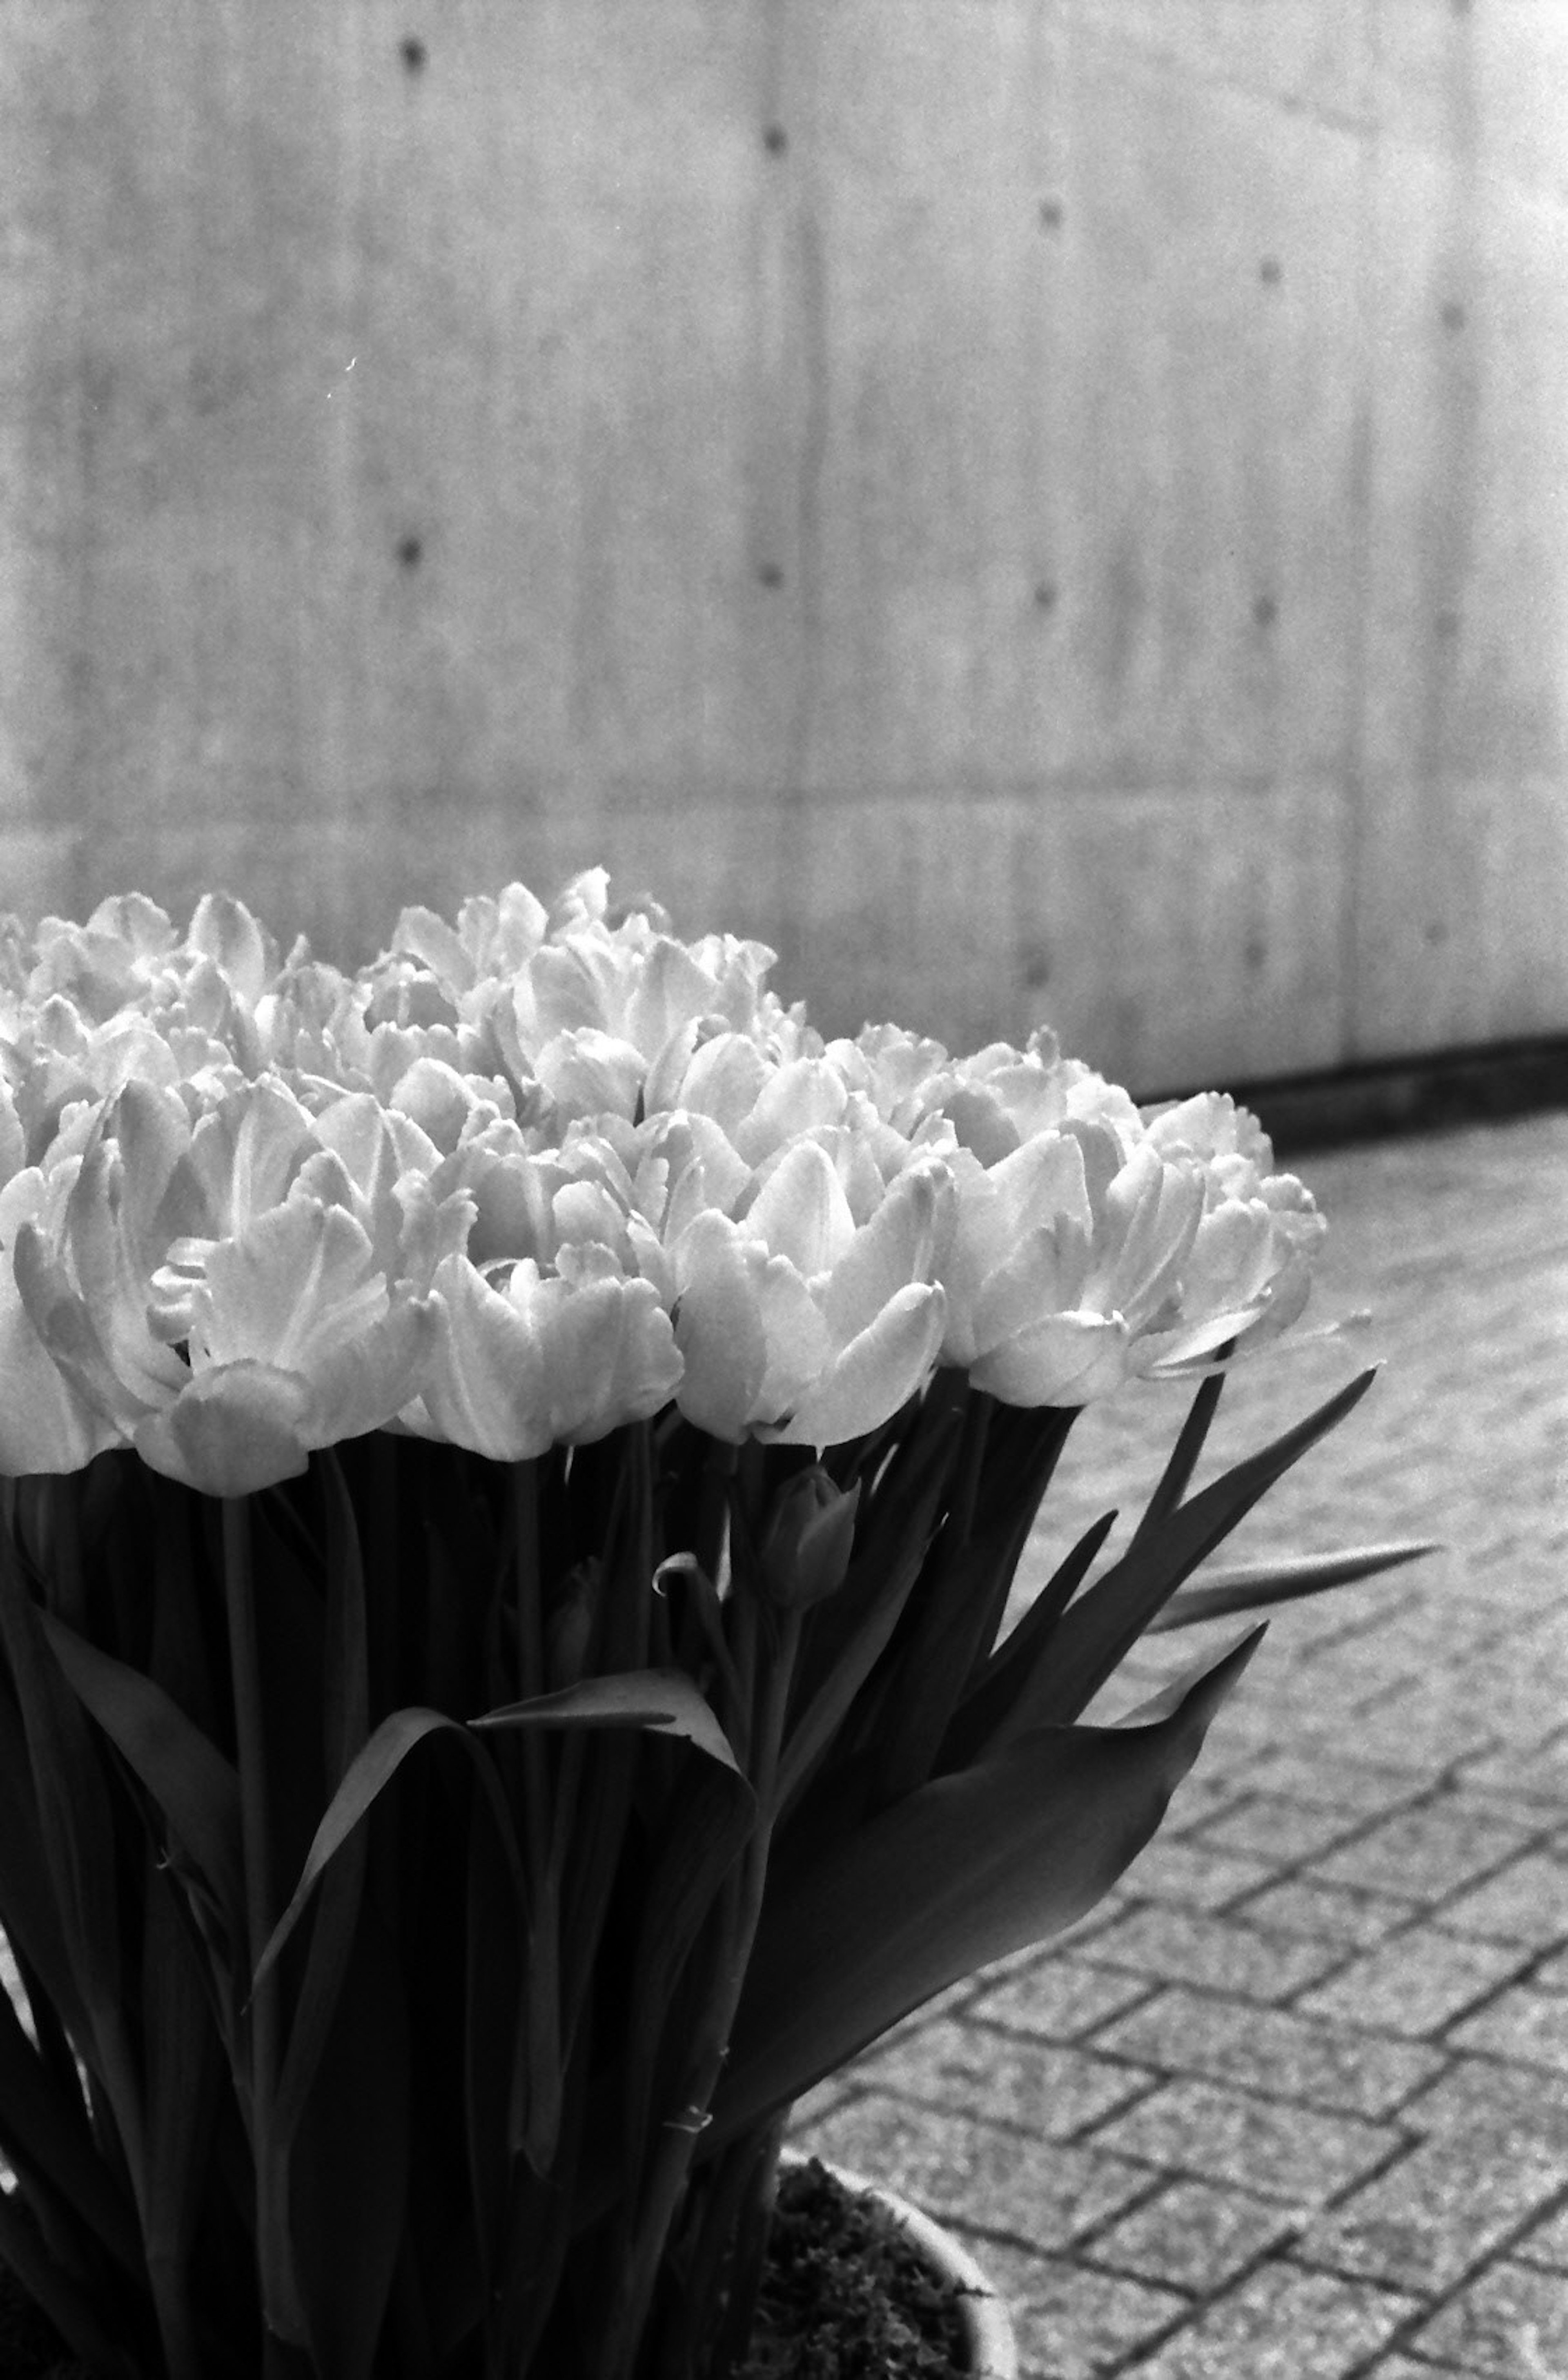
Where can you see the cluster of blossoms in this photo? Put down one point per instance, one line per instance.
(530, 1176)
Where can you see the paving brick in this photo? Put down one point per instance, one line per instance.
(1437, 2212)
(1269, 2050)
(1404, 2367)
(1364, 1854)
(1511, 2324)
(1044, 2194)
(1425, 1853)
(1180, 1946)
(1057, 1999)
(1282, 2324)
(1527, 1773)
(1429, 1730)
(1526, 1901)
(837, 2090)
(1191, 2234)
(1188, 1873)
(1414, 1983)
(1333, 1913)
(1551, 1975)
(1201, 1796)
(1547, 2244)
(1532, 2026)
(1282, 1831)
(1297, 2155)
(967, 2069)
(1478, 2093)
(1073, 2323)
(1319, 1769)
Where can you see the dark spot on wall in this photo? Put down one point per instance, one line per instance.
(1051, 215)
(1037, 967)
(1045, 595)
(410, 552)
(1255, 953)
(775, 140)
(1453, 315)
(414, 55)
(1268, 271)
(1447, 624)
(769, 574)
(1265, 611)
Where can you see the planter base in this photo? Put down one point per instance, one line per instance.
(859, 2280)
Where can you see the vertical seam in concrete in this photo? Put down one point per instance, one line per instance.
(790, 109)
(1363, 477)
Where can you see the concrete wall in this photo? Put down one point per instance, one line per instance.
(1043, 509)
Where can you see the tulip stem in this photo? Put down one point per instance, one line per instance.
(776, 1636)
(279, 2304)
(534, 2117)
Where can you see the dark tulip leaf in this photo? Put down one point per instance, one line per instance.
(1253, 1586)
(665, 1702)
(369, 1773)
(1097, 1630)
(349, 2165)
(194, 1788)
(965, 1870)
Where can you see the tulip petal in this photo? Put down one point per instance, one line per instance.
(46, 1424)
(485, 1381)
(294, 1283)
(802, 1213)
(800, 1346)
(718, 1328)
(223, 930)
(896, 1246)
(360, 1381)
(234, 1429)
(877, 1372)
(1067, 1359)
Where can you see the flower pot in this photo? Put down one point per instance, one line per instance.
(988, 2347)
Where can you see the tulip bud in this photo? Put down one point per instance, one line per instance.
(808, 1539)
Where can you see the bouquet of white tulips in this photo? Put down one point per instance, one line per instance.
(513, 1465)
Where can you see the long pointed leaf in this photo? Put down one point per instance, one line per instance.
(345, 1723)
(846, 1636)
(43, 2128)
(664, 1701)
(184, 2067)
(1253, 1586)
(1006, 1676)
(194, 1786)
(1176, 1477)
(494, 1979)
(964, 1871)
(368, 1775)
(29, 1916)
(962, 1596)
(349, 2168)
(1097, 1630)
(710, 1816)
(75, 1824)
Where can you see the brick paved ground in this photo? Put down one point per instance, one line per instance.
(1294, 2104)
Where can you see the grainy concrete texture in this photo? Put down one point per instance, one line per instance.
(1293, 2104)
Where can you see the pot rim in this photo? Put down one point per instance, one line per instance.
(989, 2338)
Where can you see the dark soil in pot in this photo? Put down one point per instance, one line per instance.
(846, 2297)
